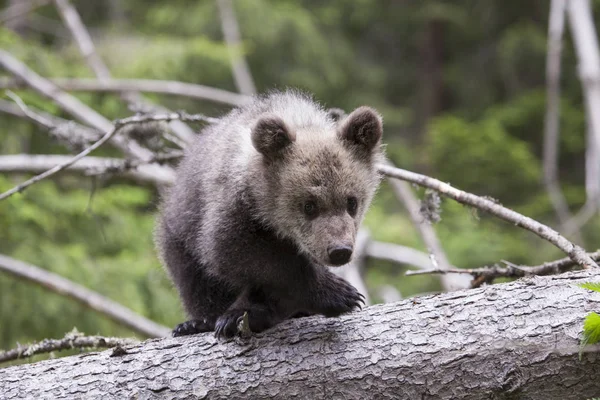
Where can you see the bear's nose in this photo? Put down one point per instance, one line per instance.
(339, 255)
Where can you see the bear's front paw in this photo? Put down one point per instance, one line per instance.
(227, 324)
(191, 327)
(341, 298)
(259, 319)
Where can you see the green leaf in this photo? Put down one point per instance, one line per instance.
(591, 331)
(595, 286)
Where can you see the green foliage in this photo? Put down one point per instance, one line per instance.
(101, 240)
(591, 331)
(595, 286)
(482, 149)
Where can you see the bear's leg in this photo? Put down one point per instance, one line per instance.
(262, 313)
(204, 297)
(332, 296)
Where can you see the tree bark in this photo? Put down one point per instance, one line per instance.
(510, 341)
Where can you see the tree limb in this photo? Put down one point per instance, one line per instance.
(112, 85)
(488, 274)
(437, 254)
(119, 124)
(583, 31)
(70, 104)
(552, 120)
(86, 46)
(575, 252)
(514, 340)
(111, 309)
(231, 33)
(72, 340)
(36, 163)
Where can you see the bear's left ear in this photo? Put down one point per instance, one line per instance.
(271, 136)
(362, 129)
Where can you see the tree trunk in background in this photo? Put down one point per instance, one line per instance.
(517, 340)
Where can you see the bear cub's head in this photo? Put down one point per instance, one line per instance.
(317, 178)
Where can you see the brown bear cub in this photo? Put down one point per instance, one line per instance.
(264, 200)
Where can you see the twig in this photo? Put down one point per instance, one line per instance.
(70, 104)
(231, 33)
(134, 169)
(437, 254)
(111, 309)
(72, 340)
(44, 87)
(79, 32)
(119, 124)
(575, 252)
(552, 119)
(488, 274)
(112, 85)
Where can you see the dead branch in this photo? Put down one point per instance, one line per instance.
(552, 119)
(575, 252)
(118, 125)
(92, 166)
(72, 340)
(437, 254)
(109, 308)
(231, 33)
(47, 89)
(86, 46)
(585, 40)
(488, 274)
(174, 88)
(70, 104)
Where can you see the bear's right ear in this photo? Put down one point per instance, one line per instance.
(271, 136)
(362, 130)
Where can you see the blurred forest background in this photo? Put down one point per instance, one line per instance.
(461, 86)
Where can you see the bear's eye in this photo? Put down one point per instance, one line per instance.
(310, 208)
(352, 205)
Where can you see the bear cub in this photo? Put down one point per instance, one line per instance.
(263, 202)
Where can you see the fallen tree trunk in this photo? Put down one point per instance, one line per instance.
(516, 340)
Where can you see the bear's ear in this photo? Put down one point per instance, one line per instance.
(271, 136)
(362, 129)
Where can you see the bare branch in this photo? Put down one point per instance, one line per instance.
(44, 87)
(488, 274)
(119, 124)
(143, 173)
(82, 37)
(86, 46)
(407, 255)
(585, 39)
(404, 193)
(575, 252)
(173, 88)
(231, 33)
(70, 104)
(72, 340)
(84, 296)
(552, 119)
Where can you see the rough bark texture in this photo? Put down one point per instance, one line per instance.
(510, 341)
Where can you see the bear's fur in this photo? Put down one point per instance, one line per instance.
(264, 200)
